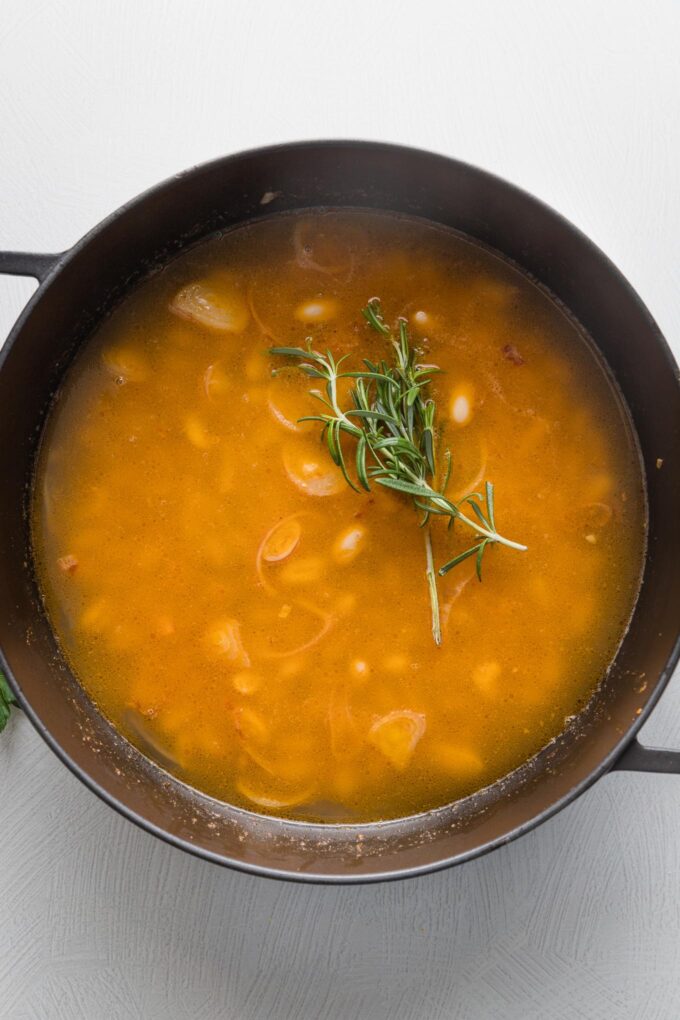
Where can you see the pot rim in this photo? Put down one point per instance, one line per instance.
(396, 150)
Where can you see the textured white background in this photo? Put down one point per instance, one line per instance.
(579, 103)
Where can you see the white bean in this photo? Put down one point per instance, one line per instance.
(317, 310)
(347, 545)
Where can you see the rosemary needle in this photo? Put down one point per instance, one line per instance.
(392, 421)
(7, 700)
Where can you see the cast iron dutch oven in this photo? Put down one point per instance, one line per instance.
(76, 290)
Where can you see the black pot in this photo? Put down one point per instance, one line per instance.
(78, 287)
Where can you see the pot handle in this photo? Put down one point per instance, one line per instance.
(638, 758)
(23, 263)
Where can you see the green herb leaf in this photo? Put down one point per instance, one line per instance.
(475, 506)
(480, 553)
(459, 559)
(393, 421)
(361, 463)
(373, 315)
(7, 701)
(400, 486)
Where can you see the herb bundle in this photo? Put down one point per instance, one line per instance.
(392, 423)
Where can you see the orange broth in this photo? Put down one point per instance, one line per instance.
(263, 631)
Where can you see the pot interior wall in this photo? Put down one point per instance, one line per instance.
(150, 231)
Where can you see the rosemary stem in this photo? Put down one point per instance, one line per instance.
(432, 585)
(479, 528)
(493, 535)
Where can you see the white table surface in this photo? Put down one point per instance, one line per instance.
(577, 102)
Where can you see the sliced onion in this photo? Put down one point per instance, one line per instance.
(272, 541)
(281, 540)
(316, 248)
(345, 739)
(327, 621)
(262, 326)
(215, 303)
(270, 797)
(250, 726)
(396, 735)
(456, 760)
(447, 606)
(288, 397)
(226, 639)
(311, 471)
(148, 742)
(287, 766)
(215, 381)
(125, 364)
(274, 405)
(303, 570)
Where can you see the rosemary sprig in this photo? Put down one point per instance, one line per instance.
(7, 700)
(392, 421)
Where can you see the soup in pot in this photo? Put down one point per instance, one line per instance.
(370, 613)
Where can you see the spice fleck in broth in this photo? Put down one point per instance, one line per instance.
(263, 630)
